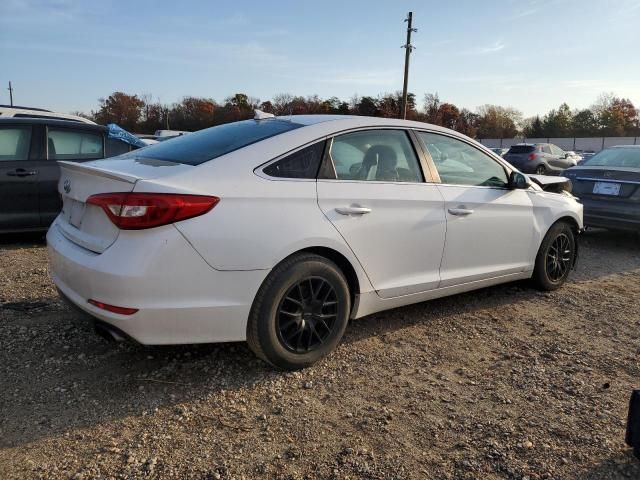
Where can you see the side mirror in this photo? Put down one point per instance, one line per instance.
(517, 181)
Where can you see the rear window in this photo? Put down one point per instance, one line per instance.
(204, 145)
(522, 149)
(615, 157)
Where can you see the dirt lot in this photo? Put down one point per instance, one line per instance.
(502, 383)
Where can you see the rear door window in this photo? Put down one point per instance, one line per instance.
(375, 155)
(15, 142)
(69, 144)
(546, 149)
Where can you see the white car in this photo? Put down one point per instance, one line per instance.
(279, 230)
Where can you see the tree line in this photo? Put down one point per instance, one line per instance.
(608, 116)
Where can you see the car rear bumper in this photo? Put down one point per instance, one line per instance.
(611, 216)
(179, 297)
(611, 223)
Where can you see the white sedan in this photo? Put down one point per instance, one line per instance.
(277, 231)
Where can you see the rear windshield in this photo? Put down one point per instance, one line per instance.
(199, 147)
(522, 149)
(615, 157)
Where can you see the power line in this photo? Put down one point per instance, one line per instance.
(408, 49)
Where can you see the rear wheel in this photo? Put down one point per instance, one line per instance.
(541, 170)
(555, 258)
(300, 312)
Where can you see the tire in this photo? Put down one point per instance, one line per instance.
(300, 313)
(541, 169)
(550, 271)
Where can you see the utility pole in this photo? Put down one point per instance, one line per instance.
(408, 49)
(10, 93)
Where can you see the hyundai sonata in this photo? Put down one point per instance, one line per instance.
(277, 231)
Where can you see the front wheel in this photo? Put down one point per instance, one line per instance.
(300, 312)
(555, 258)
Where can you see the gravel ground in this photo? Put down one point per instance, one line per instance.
(501, 383)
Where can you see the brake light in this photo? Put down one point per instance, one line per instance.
(532, 156)
(113, 308)
(137, 211)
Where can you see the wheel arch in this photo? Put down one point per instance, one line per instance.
(571, 221)
(345, 266)
(575, 226)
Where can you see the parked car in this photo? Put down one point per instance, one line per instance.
(29, 149)
(585, 154)
(278, 231)
(539, 158)
(574, 157)
(9, 111)
(608, 184)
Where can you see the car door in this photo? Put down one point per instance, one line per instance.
(372, 189)
(18, 177)
(63, 143)
(490, 228)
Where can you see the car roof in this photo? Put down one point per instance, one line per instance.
(345, 122)
(52, 122)
(7, 111)
(625, 146)
(21, 107)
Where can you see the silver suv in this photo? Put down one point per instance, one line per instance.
(539, 158)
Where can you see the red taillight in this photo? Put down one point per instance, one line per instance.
(532, 156)
(113, 308)
(136, 211)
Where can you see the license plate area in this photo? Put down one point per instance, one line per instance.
(606, 188)
(72, 211)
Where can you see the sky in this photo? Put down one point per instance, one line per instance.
(528, 54)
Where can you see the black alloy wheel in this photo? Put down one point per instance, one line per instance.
(556, 257)
(559, 257)
(307, 315)
(300, 312)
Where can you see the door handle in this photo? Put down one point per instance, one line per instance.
(21, 172)
(460, 211)
(353, 210)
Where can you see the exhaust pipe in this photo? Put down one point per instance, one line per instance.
(108, 333)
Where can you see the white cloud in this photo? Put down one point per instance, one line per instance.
(494, 47)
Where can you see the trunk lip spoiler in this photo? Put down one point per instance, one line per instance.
(98, 171)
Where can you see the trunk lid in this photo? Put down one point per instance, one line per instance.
(87, 225)
(604, 182)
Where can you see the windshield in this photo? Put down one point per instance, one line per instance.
(615, 157)
(205, 145)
